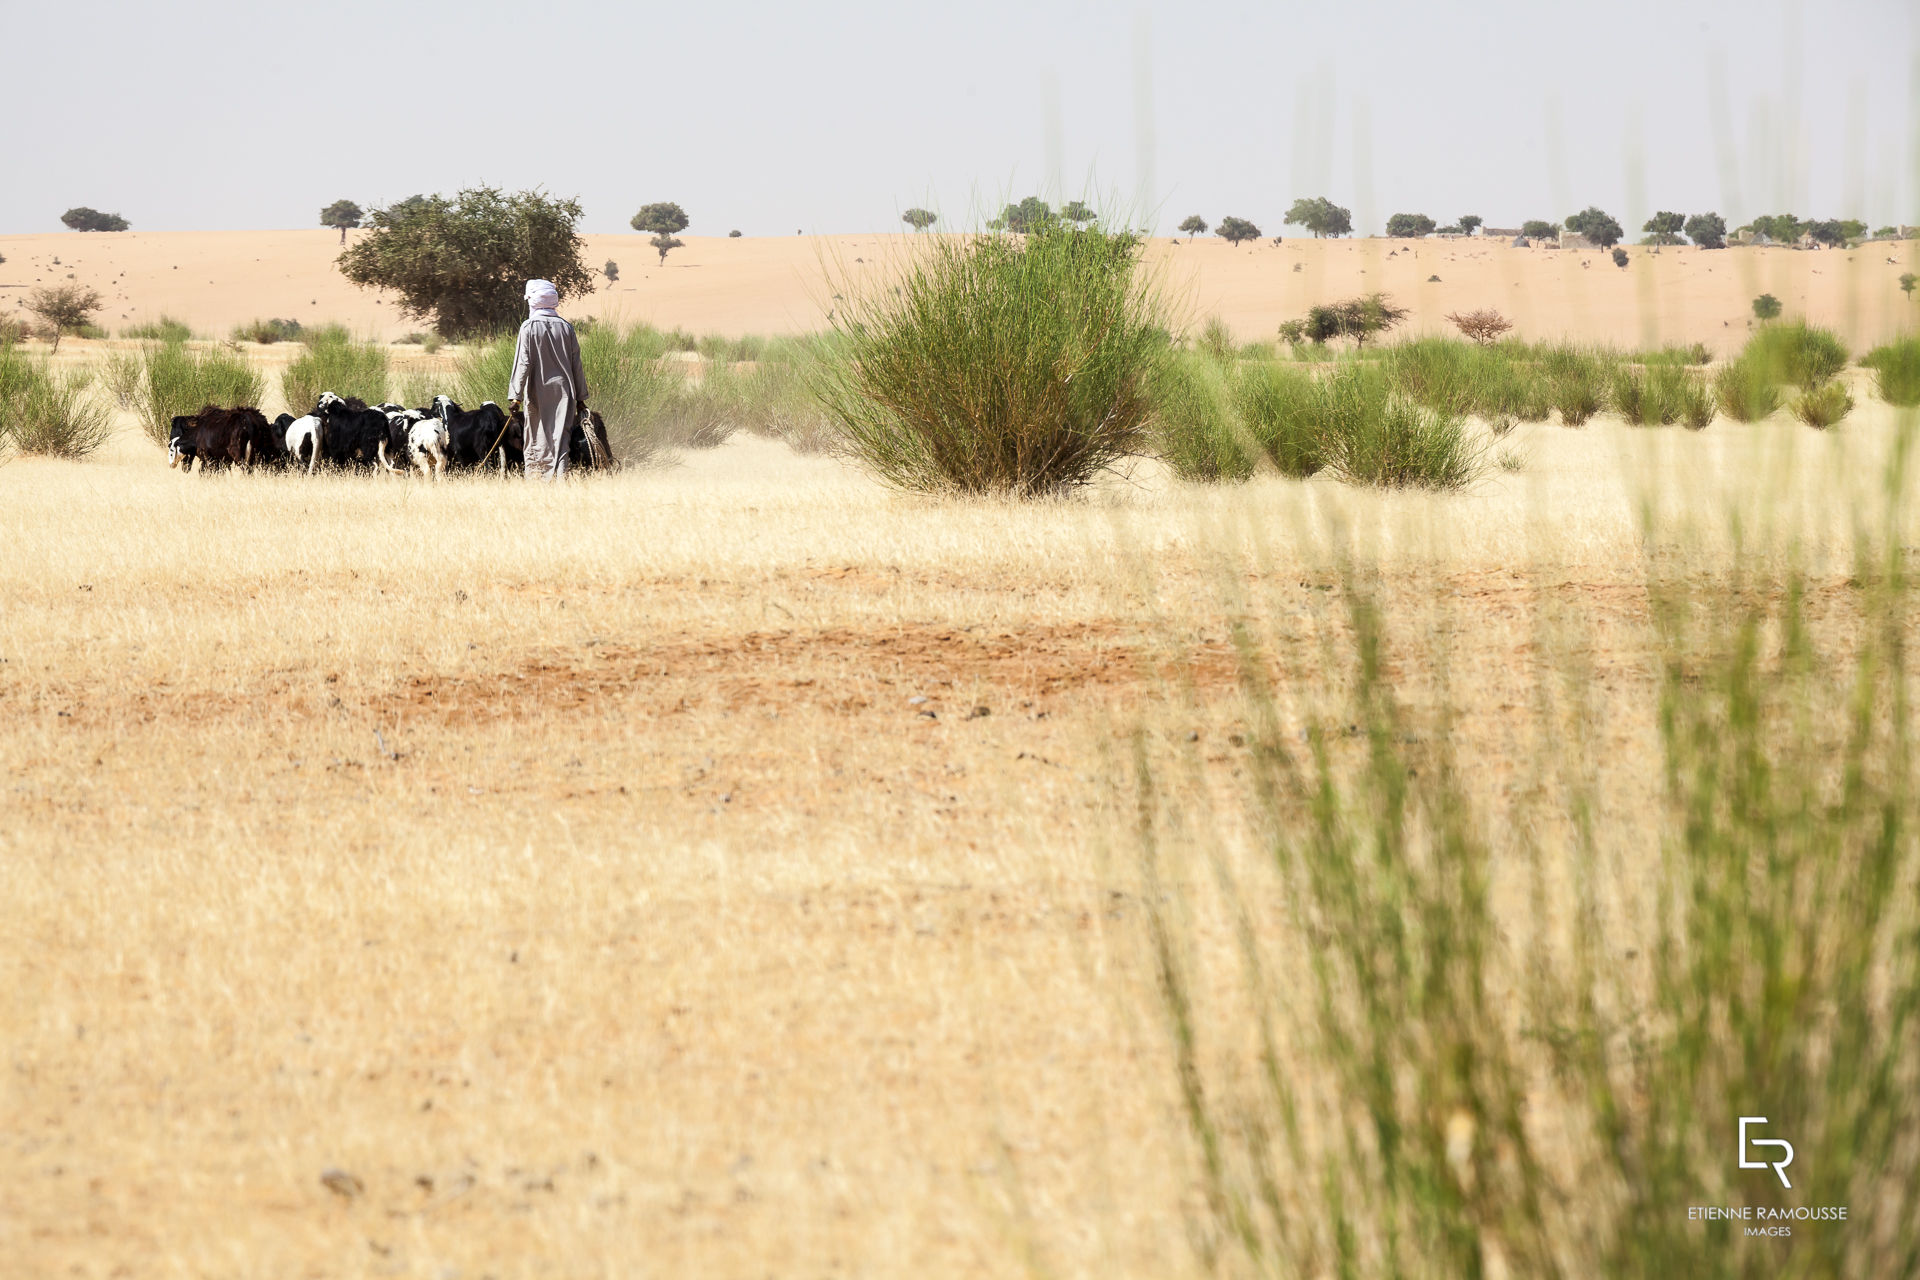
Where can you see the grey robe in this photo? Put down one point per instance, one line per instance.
(549, 383)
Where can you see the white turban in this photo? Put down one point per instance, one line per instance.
(542, 297)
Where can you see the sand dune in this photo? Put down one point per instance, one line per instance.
(214, 280)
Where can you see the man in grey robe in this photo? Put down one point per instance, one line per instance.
(547, 381)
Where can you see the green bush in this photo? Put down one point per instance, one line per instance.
(164, 329)
(1745, 392)
(1656, 396)
(1796, 353)
(267, 332)
(999, 365)
(1766, 307)
(1370, 434)
(46, 412)
(175, 379)
(334, 361)
(1193, 428)
(1896, 371)
(1282, 412)
(1824, 405)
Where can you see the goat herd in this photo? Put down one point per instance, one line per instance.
(350, 434)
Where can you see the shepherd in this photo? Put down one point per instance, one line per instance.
(547, 373)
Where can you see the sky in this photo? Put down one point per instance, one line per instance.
(835, 116)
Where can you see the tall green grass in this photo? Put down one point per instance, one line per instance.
(163, 329)
(334, 361)
(174, 378)
(1195, 431)
(1460, 1035)
(1788, 354)
(1896, 371)
(48, 412)
(1000, 364)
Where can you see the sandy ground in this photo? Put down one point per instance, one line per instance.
(715, 871)
(215, 280)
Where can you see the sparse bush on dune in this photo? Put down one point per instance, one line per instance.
(1281, 412)
(999, 365)
(65, 309)
(176, 379)
(267, 331)
(163, 329)
(1824, 405)
(1797, 353)
(334, 361)
(1745, 392)
(1372, 435)
(1896, 371)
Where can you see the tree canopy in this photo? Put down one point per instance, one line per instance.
(663, 219)
(342, 215)
(1598, 227)
(1708, 230)
(464, 261)
(1356, 318)
(1781, 228)
(1539, 229)
(81, 218)
(1766, 307)
(1320, 216)
(1470, 223)
(1235, 230)
(1664, 227)
(1195, 225)
(1031, 214)
(1409, 226)
(1077, 212)
(919, 219)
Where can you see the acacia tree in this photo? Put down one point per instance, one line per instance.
(1484, 326)
(1409, 226)
(1708, 230)
(1357, 318)
(63, 310)
(464, 261)
(1194, 225)
(1539, 229)
(1031, 214)
(1599, 228)
(1470, 223)
(664, 220)
(919, 219)
(1664, 227)
(1077, 213)
(1320, 216)
(1234, 230)
(81, 218)
(343, 214)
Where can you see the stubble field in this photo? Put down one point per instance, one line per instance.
(729, 870)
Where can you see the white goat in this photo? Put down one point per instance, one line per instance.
(304, 433)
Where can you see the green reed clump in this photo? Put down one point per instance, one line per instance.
(1823, 406)
(1795, 353)
(46, 412)
(1284, 414)
(1389, 1076)
(1371, 434)
(163, 329)
(1194, 427)
(1660, 395)
(176, 379)
(1746, 391)
(267, 332)
(1001, 364)
(1896, 371)
(334, 361)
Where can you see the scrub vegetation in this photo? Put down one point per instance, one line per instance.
(47, 411)
(334, 361)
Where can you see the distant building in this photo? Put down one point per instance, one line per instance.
(1574, 240)
(1520, 242)
(1500, 233)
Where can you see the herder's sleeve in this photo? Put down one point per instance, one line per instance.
(517, 385)
(574, 368)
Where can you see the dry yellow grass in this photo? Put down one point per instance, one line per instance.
(576, 871)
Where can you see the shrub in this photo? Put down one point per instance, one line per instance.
(918, 219)
(64, 309)
(164, 329)
(1371, 435)
(1470, 223)
(465, 262)
(175, 379)
(611, 270)
(998, 365)
(1906, 283)
(1745, 392)
(1896, 371)
(1195, 225)
(48, 413)
(1409, 226)
(121, 373)
(1030, 215)
(81, 218)
(1766, 307)
(665, 243)
(1796, 353)
(1236, 230)
(1320, 216)
(1539, 229)
(1484, 326)
(1824, 405)
(1664, 227)
(1619, 257)
(1193, 427)
(1598, 227)
(1357, 318)
(1283, 415)
(1697, 402)
(334, 362)
(267, 332)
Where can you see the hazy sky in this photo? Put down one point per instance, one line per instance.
(836, 115)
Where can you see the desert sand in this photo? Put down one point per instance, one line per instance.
(215, 280)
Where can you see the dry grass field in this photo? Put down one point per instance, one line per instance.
(724, 870)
